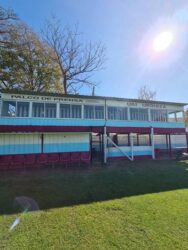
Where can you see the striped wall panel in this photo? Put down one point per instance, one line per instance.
(20, 144)
(66, 142)
(176, 141)
(137, 150)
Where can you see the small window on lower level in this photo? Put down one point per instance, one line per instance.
(9, 109)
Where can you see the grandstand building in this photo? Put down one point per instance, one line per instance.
(42, 128)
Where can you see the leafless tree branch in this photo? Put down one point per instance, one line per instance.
(145, 93)
(75, 60)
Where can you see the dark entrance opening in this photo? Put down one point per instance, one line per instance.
(97, 147)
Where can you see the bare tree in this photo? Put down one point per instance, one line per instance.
(76, 61)
(145, 93)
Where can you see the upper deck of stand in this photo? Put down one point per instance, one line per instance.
(44, 112)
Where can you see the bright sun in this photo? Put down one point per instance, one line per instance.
(162, 41)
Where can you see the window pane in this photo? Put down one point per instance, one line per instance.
(179, 116)
(121, 113)
(144, 140)
(23, 109)
(50, 110)
(139, 114)
(88, 111)
(38, 110)
(117, 113)
(99, 112)
(143, 114)
(158, 115)
(171, 117)
(123, 140)
(134, 114)
(111, 113)
(65, 110)
(76, 111)
(9, 108)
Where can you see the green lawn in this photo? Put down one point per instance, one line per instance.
(135, 205)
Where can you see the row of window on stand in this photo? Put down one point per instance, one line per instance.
(49, 110)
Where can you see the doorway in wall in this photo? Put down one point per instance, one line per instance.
(97, 147)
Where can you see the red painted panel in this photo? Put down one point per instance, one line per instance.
(14, 128)
(29, 128)
(85, 157)
(53, 157)
(128, 130)
(169, 130)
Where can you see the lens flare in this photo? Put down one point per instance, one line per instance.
(162, 41)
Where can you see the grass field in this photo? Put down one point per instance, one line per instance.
(135, 205)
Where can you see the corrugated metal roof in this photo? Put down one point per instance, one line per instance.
(89, 97)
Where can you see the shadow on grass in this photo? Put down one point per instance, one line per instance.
(52, 188)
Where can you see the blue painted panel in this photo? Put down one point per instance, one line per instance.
(174, 145)
(114, 154)
(145, 124)
(50, 122)
(86, 122)
(20, 149)
(66, 147)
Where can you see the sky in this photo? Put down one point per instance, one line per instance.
(127, 28)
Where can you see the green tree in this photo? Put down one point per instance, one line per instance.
(26, 62)
(186, 117)
(7, 17)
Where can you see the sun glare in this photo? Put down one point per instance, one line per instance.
(162, 41)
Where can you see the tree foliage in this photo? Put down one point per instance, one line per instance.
(6, 18)
(26, 62)
(145, 93)
(186, 117)
(57, 62)
(77, 62)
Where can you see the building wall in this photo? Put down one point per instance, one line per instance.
(137, 151)
(20, 143)
(176, 141)
(31, 143)
(66, 142)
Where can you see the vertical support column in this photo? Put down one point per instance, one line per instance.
(30, 109)
(167, 141)
(132, 147)
(186, 134)
(129, 143)
(152, 143)
(42, 143)
(149, 114)
(128, 114)
(105, 145)
(170, 147)
(150, 140)
(82, 111)
(58, 110)
(137, 139)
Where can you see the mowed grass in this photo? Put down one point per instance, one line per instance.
(132, 205)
